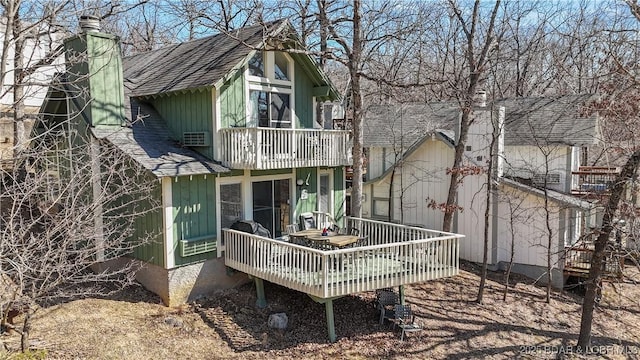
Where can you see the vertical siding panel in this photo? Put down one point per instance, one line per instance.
(194, 212)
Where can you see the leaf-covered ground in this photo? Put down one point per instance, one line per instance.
(135, 325)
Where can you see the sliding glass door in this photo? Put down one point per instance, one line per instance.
(271, 205)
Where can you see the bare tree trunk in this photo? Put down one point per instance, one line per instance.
(356, 98)
(26, 329)
(477, 66)
(598, 258)
(487, 208)
(547, 221)
(19, 137)
(507, 274)
(457, 161)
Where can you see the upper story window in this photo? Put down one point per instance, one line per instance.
(269, 109)
(256, 65)
(281, 66)
(270, 66)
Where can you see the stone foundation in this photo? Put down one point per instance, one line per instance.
(186, 283)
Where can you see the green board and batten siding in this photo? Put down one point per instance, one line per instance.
(339, 211)
(304, 99)
(309, 204)
(104, 66)
(232, 102)
(188, 112)
(194, 214)
(150, 226)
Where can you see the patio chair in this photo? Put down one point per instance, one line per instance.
(307, 221)
(405, 320)
(385, 302)
(290, 229)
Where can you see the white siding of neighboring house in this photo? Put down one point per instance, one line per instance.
(470, 220)
(379, 160)
(523, 161)
(530, 230)
(35, 50)
(423, 178)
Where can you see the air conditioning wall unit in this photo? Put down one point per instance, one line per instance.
(196, 138)
(552, 178)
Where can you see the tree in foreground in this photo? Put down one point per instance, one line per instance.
(77, 206)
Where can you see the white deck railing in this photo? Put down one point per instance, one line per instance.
(264, 148)
(394, 255)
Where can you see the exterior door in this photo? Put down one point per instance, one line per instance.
(271, 205)
(324, 194)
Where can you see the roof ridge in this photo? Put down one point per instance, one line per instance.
(269, 25)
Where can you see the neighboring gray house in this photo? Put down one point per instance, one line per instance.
(410, 148)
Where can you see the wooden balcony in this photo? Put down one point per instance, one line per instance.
(265, 148)
(593, 180)
(393, 255)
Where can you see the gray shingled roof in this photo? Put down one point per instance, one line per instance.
(552, 120)
(549, 120)
(192, 64)
(148, 142)
(392, 125)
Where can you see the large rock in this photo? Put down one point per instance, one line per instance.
(278, 321)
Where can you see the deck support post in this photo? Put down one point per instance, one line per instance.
(331, 326)
(401, 294)
(261, 302)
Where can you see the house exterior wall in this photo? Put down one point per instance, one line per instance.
(194, 214)
(421, 178)
(150, 227)
(379, 160)
(470, 219)
(524, 161)
(531, 236)
(304, 105)
(309, 176)
(188, 112)
(530, 233)
(339, 204)
(233, 108)
(34, 51)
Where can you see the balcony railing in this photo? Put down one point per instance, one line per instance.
(393, 255)
(264, 148)
(593, 179)
(578, 261)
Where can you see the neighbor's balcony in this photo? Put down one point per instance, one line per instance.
(265, 148)
(593, 180)
(392, 255)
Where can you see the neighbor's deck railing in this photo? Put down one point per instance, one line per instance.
(265, 148)
(578, 261)
(593, 179)
(394, 255)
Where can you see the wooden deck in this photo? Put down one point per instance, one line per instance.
(393, 255)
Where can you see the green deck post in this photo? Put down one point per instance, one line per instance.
(331, 326)
(262, 300)
(401, 292)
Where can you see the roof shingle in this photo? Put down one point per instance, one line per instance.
(148, 142)
(192, 64)
(528, 121)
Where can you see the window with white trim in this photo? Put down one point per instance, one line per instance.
(272, 67)
(270, 109)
